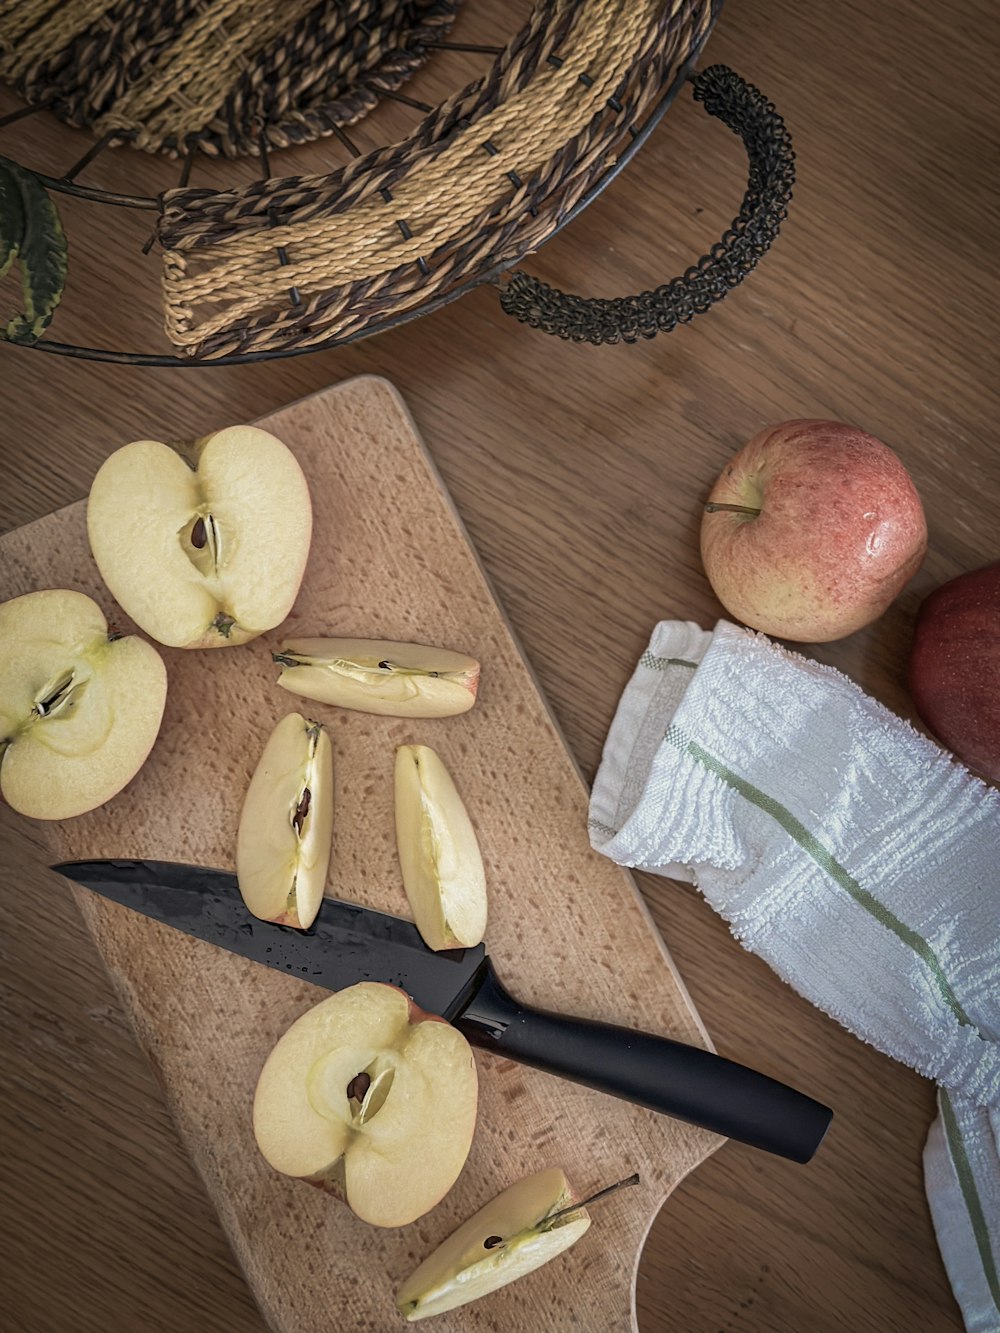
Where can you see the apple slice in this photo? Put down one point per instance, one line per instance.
(524, 1227)
(369, 1097)
(438, 853)
(206, 553)
(380, 676)
(80, 708)
(283, 844)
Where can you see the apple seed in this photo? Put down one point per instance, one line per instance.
(198, 535)
(405, 671)
(491, 1242)
(359, 1085)
(301, 810)
(54, 695)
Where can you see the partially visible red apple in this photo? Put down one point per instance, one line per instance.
(811, 530)
(955, 667)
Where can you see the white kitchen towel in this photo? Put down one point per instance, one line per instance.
(855, 856)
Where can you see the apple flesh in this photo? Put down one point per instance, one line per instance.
(512, 1235)
(202, 553)
(380, 676)
(283, 844)
(811, 530)
(80, 708)
(369, 1097)
(954, 671)
(439, 855)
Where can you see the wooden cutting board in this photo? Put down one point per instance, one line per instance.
(567, 928)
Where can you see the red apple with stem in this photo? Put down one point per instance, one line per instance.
(811, 530)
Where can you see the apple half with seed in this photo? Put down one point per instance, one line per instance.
(203, 548)
(283, 844)
(372, 1099)
(80, 707)
(380, 676)
(530, 1223)
(439, 855)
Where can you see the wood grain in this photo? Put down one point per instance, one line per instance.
(578, 473)
(568, 929)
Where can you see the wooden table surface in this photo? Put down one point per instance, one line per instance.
(579, 474)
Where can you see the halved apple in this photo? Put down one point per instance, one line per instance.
(380, 676)
(369, 1097)
(438, 853)
(80, 707)
(283, 844)
(208, 552)
(528, 1224)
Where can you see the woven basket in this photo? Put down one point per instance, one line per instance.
(290, 263)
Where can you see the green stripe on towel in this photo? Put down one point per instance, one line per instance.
(970, 1194)
(825, 859)
(602, 828)
(649, 659)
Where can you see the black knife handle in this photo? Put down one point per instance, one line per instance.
(668, 1076)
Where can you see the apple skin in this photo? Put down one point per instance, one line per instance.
(954, 670)
(840, 530)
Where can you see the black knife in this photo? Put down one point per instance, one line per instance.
(348, 943)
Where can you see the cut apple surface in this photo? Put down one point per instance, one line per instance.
(371, 1098)
(380, 676)
(207, 553)
(518, 1231)
(438, 852)
(283, 844)
(79, 708)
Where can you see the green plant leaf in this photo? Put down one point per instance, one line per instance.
(41, 254)
(11, 217)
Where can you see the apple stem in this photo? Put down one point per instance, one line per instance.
(713, 508)
(601, 1194)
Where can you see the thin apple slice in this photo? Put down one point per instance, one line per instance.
(380, 676)
(438, 852)
(530, 1223)
(283, 844)
(371, 1098)
(206, 553)
(80, 707)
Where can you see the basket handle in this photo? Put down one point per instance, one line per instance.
(747, 113)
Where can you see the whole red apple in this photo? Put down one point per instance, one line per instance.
(955, 667)
(811, 530)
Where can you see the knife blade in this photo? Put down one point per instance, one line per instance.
(348, 943)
